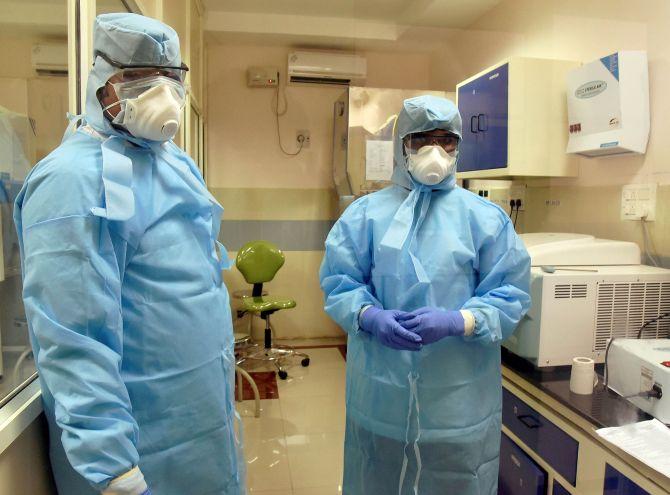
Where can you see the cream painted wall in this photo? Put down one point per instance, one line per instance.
(581, 31)
(242, 136)
(248, 172)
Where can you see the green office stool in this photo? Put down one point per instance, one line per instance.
(259, 262)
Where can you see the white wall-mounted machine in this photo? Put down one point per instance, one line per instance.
(326, 68)
(608, 105)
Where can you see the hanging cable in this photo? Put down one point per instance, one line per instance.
(517, 203)
(279, 114)
(649, 248)
(274, 105)
(516, 215)
(639, 336)
(660, 317)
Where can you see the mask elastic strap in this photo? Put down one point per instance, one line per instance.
(412, 378)
(113, 118)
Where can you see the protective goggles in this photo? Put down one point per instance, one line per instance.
(130, 72)
(414, 142)
(133, 89)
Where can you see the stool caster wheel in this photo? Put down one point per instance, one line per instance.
(305, 362)
(282, 374)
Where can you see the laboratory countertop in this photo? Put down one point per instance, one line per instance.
(603, 408)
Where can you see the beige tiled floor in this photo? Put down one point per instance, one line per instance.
(296, 446)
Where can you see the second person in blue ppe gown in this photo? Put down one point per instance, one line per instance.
(129, 319)
(427, 279)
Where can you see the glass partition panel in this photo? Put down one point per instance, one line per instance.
(33, 106)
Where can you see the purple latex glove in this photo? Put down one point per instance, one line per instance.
(383, 324)
(433, 324)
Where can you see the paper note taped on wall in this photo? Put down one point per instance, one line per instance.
(378, 160)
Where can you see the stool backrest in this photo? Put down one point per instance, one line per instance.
(259, 261)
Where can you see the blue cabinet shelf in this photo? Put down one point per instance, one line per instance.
(515, 121)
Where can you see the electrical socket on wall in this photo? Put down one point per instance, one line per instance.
(502, 196)
(303, 135)
(638, 201)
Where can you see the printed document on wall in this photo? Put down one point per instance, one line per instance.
(378, 160)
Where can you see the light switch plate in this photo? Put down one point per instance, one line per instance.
(638, 201)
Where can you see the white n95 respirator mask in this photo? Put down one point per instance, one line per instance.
(430, 165)
(150, 109)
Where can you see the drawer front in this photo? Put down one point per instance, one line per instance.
(519, 474)
(618, 484)
(553, 445)
(559, 490)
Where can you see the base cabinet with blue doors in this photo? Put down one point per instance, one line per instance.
(515, 121)
(618, 484)
(519, 474)
(547, 449)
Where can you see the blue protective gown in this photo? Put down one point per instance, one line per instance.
(129, 319)
(424, 422)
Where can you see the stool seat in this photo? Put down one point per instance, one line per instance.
(258, 262)
(263, 304)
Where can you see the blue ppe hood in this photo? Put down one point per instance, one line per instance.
(128, 39)
(419, 114)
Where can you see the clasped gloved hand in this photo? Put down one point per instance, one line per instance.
(383, 324)
(433, 324)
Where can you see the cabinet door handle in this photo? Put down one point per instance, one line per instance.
(529, 421)
(482, 122)
(474, 128)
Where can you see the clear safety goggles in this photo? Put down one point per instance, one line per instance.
(414, 142)
(132, 89)
(131, 72)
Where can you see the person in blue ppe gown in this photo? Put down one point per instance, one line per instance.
(427, 279)
(129, 319)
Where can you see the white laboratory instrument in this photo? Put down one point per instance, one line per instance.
(575, 313)
(642, 367)
(608, 105)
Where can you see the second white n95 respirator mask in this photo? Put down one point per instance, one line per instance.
(430, 165)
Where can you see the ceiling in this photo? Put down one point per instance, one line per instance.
(43, 18)
(386, 25)
(434, 13)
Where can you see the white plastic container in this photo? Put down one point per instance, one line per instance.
(608, 105)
